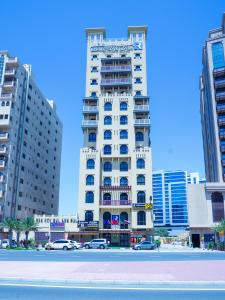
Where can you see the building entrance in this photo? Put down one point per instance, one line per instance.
(195, 238)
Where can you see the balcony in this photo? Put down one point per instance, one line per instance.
(221, 121)
(222, 135)
(6, 96)
(116, 82)
(223, 162)
(115, 202)
(220, 108)
(116, 69)
(141, 108)
(93, 98)
(90, 109)
(8, 85)
(220, 96)
(219, 84)
(139, 97)
(4, 136)
(12, 61)
(89, 123)
(141, 122)
(111, 59)
(222, 147)
(3, 150)
(2, 178)
(219, 72)
(10, 72)
(2, 163)
(2, 193)
(115, 187)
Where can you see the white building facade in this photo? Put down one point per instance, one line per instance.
(115, 191)
(30, 144)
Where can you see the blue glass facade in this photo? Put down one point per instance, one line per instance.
(218, 55)
(1, 67)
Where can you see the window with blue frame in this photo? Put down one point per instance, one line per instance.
(138, 80)
(89, 216)
(107, 120)
(123, 120)
(108, 106)
(94, 57)
(137, 55)
(123, 166)
(123, 134)
(89, 197)
(92, 137)
(140, 180)
(123, 149)
(140, 163)
(141, 197)
(137, 68)
(107, 149)
(93, 94)
(2, 58)
(139, 136)
(107, 167)
(107, 196)
(94, 69)
(138, 93)
(141, 218)
(123, 197)
(94, 82)
(107, 181)
(123, 181)
(107, 135)
(123, 105)
(90, 164)
(218, 55)
(90, 180)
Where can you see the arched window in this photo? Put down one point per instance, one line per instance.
(90, 164)
(123, 181)
(123, 134)
(89, 197)
(217, 206)
(141, 218)
(140, 163)
(107, 120)
(141, 180)
(7, 103)
(139, 136)
(106, 220)
(141, 197)
(107, 199)
(107, 181)
(123, 149)
(124, 220)
(123, 105)
(3, 103)
(107, 135)
(108, 106)
(107, 167)
(89, 216)
(123, 120)
(92, 137)
(90, 180)
(123, 197)
(123, 166)
(107, 149)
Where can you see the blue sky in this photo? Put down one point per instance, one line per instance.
(50, 36)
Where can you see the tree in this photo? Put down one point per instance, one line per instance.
(18, 228)
(29, 225)
(162, 232)
(220, 228)
(9, 224)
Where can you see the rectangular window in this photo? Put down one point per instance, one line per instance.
(218, 55)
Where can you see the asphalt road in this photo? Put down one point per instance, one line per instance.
(44, 293)
(107, 255)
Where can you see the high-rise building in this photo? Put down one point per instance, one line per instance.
(115, 162)
(30, 144)
(212, 86)
(170, 197)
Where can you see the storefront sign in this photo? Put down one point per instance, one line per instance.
(117, 48)
(90, 224)
(146, 206)
(57, 226)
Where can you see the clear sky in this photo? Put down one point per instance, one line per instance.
(50, 35)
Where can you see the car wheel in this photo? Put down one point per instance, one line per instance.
(102, 247)
(87, 247)
(138, 248)
(65, 248)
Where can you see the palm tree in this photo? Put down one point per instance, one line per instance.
(162, 232)
(219, 228)
(18, 228)
(29, 225)
(9, 224)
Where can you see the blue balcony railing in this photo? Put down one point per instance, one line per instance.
(116, 81)
(115, 69)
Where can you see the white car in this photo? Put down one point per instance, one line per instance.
(76, 245)
(5, 244)
(60, 245)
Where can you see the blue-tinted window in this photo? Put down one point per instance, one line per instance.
(123, 149)
(140, 163)
(93, 94)
(106, 196)
(124, 134)
(108, 106)
(107, 149)
(107, 135)
(107, 181)
(138, 93)
(89, 197)
(123, 181)
(1, 66)
(107, 120)
(123, 197)
(139, 136)
(92, 137)
(90, 164)
(123, 105)
(123, 166)
(94, 82)
(123, 120)
(138, 80)
(89, 216)
(218, 55)
(90, 180)
(141, 197)
(140, 180)
(107, 167)
(141, 218)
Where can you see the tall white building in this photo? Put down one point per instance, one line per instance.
(115, 161)
(30, 144)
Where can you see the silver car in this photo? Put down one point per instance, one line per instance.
(145, 245)
(96, 243)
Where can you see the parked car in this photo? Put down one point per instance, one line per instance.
(145, 245)
(5, 244)
(96, 243)
(76, 245)
(60, 245)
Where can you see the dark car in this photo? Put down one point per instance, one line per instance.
(145, 245)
